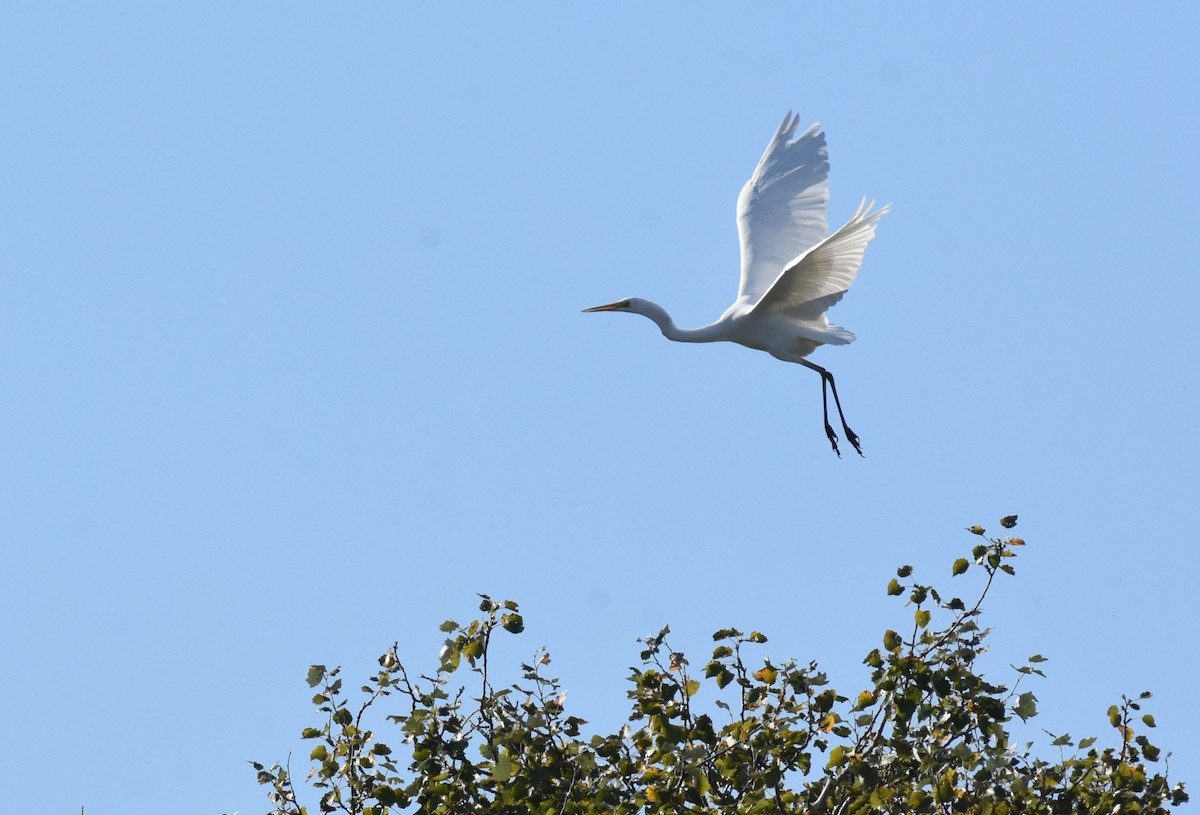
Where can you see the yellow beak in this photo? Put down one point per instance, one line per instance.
(617, 306)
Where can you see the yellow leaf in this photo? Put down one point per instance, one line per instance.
(766, 675)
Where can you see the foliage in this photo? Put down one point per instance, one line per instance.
(929, 735)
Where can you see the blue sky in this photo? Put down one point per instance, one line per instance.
(294, 363)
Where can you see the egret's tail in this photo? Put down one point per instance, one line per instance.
(824, 332)
(836, 335)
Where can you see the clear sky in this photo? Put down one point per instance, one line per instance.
(293, 361)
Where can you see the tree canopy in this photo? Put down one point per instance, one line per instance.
(929, 734)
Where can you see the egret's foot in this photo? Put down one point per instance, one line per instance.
(833, 439)
(852, 437)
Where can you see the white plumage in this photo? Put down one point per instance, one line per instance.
(793, 271)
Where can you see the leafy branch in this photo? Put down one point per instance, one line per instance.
(928, 735)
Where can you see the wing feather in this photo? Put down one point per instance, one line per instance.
(818, 278)
(781, 209)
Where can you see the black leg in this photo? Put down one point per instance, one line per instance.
(827, 382)
(850, 434)
(833, 438)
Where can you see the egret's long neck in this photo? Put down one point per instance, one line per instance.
(666, 325)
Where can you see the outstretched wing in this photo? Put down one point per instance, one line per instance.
(781, 210)
(813, 282)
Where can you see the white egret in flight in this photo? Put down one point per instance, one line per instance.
(792, 269)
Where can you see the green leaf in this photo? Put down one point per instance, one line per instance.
(960, 566)
(824, 700)
(1026, 706)
(315, 674)
(502, 770)
(693, 685)
(1149, 720)
(1037, 658)
(722, 651)
(448, 626)
(1086, 743)
(1062, 741)
(891, 640)
(726, 633)
(922, 617)
(756, 636)
(1114, 715)
(451, 656)
(894, 588)
(904, 571)
(1008, 521)
(319, 753)
(512, 623)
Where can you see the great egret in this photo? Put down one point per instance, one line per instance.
(792, 269)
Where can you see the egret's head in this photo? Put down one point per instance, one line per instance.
(621, 305)
(652, 311)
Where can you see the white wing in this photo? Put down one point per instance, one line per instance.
(781, 210)
(817, 279)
